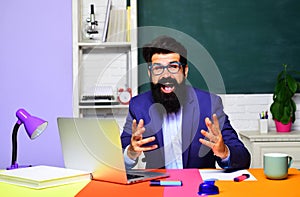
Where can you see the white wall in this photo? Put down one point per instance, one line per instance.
(243, 110)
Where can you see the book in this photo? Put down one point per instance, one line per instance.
(112, 25)
(128, 24)
(117, 26)
(99, 93)
(107, 16)
(39, 177)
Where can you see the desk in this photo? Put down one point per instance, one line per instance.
(70, 190)
(191, 180)
(262, 187)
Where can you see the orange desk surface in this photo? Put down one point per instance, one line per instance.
(191, 179)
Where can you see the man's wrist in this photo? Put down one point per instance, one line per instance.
(129, 163)
(226, 153)
(131, 153)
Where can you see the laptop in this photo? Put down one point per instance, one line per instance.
(94, 145)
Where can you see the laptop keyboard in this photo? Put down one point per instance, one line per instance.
(133, 176)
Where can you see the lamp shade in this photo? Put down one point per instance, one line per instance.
(34, 126)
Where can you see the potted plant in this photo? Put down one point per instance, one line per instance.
(283, 107)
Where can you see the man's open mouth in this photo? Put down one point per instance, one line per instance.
(167, 88)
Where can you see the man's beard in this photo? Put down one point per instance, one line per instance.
(171, 101)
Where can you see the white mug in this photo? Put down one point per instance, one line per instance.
(276, 165)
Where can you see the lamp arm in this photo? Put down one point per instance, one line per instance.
(14, 144)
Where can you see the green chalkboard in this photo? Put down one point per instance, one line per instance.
(247, 40)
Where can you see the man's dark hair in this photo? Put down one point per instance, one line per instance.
(165, 45)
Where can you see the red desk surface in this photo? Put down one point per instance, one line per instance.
(191, 179)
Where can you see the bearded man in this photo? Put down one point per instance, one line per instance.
(175, 125)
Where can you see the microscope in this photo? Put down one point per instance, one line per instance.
(91, 31)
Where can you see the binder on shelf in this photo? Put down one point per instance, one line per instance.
(100, 94)
(128, 24)
(117, 26)
(106, 22)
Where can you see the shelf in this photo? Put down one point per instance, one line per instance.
(97, 63)
(103, 106)
(103, 44)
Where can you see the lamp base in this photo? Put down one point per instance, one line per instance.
(15, 166)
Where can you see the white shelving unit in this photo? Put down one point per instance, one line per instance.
(99, 64)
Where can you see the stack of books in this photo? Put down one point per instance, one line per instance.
(117, 24)
(39, 177)
(113, 21)
(100, 94)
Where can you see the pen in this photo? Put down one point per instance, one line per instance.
(165, 183)
(241, 177)
(263, 115)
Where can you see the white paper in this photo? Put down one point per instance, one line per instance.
(220, 174)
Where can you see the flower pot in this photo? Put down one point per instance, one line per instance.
(283, 127)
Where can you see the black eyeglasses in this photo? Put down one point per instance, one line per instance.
(158, 69)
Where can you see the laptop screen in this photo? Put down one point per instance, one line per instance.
(89, 143)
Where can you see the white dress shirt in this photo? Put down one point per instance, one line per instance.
(172, 136)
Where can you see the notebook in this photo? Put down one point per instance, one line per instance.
(94, 145)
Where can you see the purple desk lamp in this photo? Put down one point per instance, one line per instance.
(34, 127)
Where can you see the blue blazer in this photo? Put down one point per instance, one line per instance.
(199, 105)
